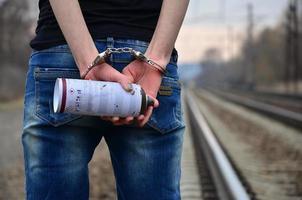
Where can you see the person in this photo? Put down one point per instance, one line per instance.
(146, 150)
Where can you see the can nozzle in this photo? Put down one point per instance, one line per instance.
(150, 101)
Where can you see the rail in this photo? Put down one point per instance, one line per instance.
(226, 181)
(283, 115)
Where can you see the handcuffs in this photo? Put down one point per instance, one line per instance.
(101, 58)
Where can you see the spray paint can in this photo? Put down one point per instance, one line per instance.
(98, 98)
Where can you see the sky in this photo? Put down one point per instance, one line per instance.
(234, 11)
(222, 24)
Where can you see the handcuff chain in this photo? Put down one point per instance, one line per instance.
(119, 50)
(137, 54)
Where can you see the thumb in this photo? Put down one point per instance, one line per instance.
(125, 83)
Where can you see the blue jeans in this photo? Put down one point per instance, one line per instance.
(58, 147)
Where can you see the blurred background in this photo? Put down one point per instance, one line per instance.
(237, 45)
(253, 44)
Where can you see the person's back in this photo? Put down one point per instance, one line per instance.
(73, 40)
(134, 19)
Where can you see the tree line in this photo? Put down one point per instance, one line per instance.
(263, 61)
(14, 49)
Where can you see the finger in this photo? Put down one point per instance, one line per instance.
(110, 119)
(147, 116)
(118, 121)
(125, 82)
(115, 119)
(114, 76)
(124, 121)
(140, 117)
(155, 101)
(126, 85)
(129, 120)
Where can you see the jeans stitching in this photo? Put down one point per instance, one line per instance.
(53, 121)
(177, 115)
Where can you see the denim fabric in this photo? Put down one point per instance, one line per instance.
(58, 147)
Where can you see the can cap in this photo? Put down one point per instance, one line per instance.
(150, 101)
(146, 101)
(58, 96)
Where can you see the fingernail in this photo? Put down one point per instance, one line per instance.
(130, 88)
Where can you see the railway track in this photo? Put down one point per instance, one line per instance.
(265, 154)
(285, 112)
(218, 178)
(286, 101)
(279, 95)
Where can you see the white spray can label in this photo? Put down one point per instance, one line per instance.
(98, 98)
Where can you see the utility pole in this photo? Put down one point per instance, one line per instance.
(288, 49)
(296, 45)
(250, 54)
(292, 61)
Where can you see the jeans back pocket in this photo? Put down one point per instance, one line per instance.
(44, 86)
(168, 116)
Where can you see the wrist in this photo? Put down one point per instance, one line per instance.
(85, 59)
(98, 60)
(162, 60)
(153, 72)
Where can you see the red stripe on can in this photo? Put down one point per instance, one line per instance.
(63, 96)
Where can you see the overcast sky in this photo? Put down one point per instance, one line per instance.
(211, 12)
(222, 24)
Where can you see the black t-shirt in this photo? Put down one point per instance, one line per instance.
(132, 19)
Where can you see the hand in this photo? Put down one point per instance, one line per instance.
(105, 72)
(149, 79)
